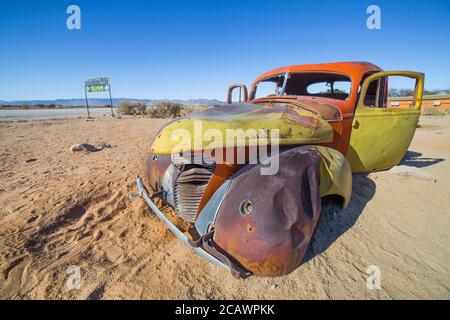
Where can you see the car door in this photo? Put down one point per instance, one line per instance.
(381, 134)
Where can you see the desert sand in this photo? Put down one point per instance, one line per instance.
(61, 209)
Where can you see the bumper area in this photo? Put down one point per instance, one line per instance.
(180, 235)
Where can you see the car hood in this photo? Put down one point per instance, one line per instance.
(213, 128)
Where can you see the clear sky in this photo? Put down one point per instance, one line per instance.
(195, 49)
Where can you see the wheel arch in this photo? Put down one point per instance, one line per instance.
(335, 175)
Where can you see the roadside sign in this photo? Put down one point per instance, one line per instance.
(100, 84)
(96, 85)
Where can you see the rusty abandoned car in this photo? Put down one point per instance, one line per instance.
(332, 119)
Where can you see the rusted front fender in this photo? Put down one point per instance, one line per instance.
(266, 222)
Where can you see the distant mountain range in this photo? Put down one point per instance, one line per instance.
(105, 101)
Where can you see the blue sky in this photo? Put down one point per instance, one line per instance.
(195, 49)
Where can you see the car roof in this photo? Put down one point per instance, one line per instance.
(353, 69)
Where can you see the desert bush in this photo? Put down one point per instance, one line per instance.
(187, 109)
(165, 109)
(53, 106)
(132, 108)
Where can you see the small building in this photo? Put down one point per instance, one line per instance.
(439, 102)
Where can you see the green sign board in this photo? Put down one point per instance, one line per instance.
(96, 85)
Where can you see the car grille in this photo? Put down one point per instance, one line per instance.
(189, 188)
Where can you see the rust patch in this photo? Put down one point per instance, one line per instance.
(273, 238)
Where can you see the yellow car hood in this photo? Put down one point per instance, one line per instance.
(210, 129)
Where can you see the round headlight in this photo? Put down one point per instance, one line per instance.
(246, 207)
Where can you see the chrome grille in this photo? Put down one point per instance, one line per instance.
(189, 188)
(179, 160)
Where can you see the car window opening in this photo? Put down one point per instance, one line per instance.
(313, 84)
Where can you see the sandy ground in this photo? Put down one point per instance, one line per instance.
(59, 209)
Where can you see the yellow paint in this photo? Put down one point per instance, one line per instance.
(381, 136)
(335, 174)
(196, 133)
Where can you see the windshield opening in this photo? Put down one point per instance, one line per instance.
(315, 84)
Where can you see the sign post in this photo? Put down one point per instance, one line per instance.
(97, 85)
(87, 104)
(110, 100)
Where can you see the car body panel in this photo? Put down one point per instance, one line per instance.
(321, 142)
(381, 136)
(335, 175)
(355, 71)
(294, 126)
(272, 238)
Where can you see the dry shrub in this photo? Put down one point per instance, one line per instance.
(188, 109)
(165, 109)
(132, 108)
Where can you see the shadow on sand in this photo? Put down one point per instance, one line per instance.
(334, 222)
(414, 159)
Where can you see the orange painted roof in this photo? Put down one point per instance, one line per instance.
(352, 69)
